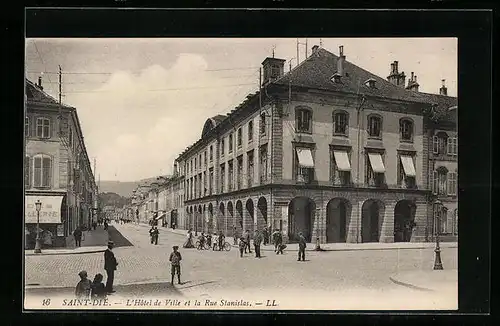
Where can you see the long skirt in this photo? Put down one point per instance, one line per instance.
(188, 243)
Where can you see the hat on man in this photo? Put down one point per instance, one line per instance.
(110, 243)
(82, 274)
(175, 247)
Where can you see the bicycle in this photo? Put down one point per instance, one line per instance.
(226, 246)
(200, 247)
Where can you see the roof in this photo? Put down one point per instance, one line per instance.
(318, 69)
(218, 118)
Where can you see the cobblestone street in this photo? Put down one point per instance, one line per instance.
(334, 278)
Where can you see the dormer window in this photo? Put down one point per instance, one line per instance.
(336, 78)
(370, 83)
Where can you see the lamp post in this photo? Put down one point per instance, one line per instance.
(38, 245)
(318, 247)
(438, 265)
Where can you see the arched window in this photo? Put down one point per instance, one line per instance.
(374, 126)
(42, 171)
(27, 172)
(444, 220)
(340, 123)
(303, 120)
(406, 130)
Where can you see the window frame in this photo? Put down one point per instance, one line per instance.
(27, 124)
(298, 171)
(239, 174)
(42, 171)
(222, 147)
(441, 184)
(230, 140)
(222, 177)
(250, 168)
(49, 127)
(230, 175)
(211, 153)
(403, 180)
(340, 178)
(239, 137)
(402, 122)
(263, 168)
(336, 114)
(369, 125)
(300, 111)
(263, 124)
(373, 179)
(452, 183)
(452, 146)
(250, 131)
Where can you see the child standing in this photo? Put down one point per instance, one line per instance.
(83, 287)
(175, 259)
(242, 245)
(98, 288)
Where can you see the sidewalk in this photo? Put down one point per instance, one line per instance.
(92, 241)
(428, 280)
(341, 246)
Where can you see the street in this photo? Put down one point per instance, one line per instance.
(326, 280)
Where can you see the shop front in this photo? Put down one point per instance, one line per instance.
(50, 220)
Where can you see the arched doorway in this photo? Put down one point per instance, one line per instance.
(404, 219)
(199, 223)
(261, 213)
(250, 214)
(338, 216)
(372, 216)
(210, 224)
(230, 216)
(221, 218)
(239, 216)
(301, 216)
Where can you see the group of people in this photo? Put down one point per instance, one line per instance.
(215, 241)
(154, 233)
(86, 289)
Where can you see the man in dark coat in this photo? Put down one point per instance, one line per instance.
(78, 236)
(265, 236)
(302, 247)
(247, 241)
(235, 235)
(257, 240)
(110, 264)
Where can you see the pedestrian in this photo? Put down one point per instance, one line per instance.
(235, 235)
(94, 225)
(277, 239)
(281, 247)
(110, 265)
(83, 287)
(98, 288)
(105, 224)
(247, 241)
(151, 234)
(242, 245)
(189, 240)
(156, 233)
(302, 247)
(78, 236)
(265, 235)
(215, 242)
(257, 240)
(221, 239)
(175, 260)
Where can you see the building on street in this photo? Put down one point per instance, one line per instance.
(328, 149)
(57, 169)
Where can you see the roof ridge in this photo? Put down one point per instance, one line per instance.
(297, 66)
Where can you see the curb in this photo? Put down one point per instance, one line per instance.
(66, 253)
(32, 287)
(351, 249)
(411, 286)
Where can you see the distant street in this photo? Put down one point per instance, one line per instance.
(336, 279)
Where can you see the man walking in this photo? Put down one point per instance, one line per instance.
(110, 264)
(78, 236)
(302, 247)
(265, 236)
(235, 235)
(257, 240)
(247, 241)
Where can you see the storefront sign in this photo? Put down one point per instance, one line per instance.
(49, 213)
(60, 230)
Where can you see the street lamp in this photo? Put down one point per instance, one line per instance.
(38, 245)
(438, 265)
(318, 247)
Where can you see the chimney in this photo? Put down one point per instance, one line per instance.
(315, 49)
(395, 77)
(340, 61)
(40, 82)
(443, 90)
(412, 83)
(273, 69)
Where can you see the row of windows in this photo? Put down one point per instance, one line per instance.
(196, 162)
(304, 118)
(442, 144)
(200, 185)
(42, 130)
(446, 226)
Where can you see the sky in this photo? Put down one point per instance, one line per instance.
(141, 102)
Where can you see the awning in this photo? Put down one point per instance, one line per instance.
(408, 166)
(305, 158)
(376, 162)
(160, 216)
(50, 212)
(342, 160)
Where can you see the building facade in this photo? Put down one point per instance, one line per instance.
(57, 170)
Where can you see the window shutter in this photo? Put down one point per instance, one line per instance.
(436, 182)
(38, 171)
(450, 183)
(449, 143)
(27, 174)
(435, 145)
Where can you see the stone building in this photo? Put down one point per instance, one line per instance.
(57, 169)
(327, 149)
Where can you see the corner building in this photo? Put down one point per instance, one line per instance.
(328, 149)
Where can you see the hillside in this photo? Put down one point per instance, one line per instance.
(122, 188)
